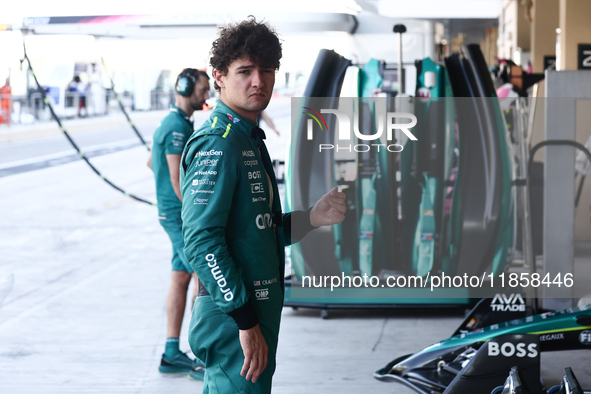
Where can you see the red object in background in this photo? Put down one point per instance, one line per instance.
(5, 93)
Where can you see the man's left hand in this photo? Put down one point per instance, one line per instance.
(329, 210)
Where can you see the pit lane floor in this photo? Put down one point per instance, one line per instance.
(83, 278)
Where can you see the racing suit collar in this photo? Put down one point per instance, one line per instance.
(239, 123)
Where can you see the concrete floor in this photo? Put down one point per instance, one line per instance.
(83, 278)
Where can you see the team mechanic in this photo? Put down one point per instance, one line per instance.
(234, 230)
(192, 88)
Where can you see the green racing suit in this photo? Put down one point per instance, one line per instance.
(235, 235)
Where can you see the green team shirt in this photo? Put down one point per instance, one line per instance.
(170, 138)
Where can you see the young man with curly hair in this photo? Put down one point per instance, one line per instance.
(234, 230)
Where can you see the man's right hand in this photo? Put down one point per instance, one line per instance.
(255, 351)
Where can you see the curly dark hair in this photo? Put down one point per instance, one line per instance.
(247, 39)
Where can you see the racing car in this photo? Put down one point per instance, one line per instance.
(483, 350)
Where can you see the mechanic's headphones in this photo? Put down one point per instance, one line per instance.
(185, 86)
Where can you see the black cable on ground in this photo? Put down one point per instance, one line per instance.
(63, 129)
(532, 153)
(123, 108)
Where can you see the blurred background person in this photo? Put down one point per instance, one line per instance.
(77, 86)
(192, 89)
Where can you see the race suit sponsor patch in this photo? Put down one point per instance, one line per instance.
(209, 172)
(256, 188)
(212, 152)
(265, 282)
(217, 274)
(261, 294)
(207, 163)
(254, 175)
(264, 221)
(203, 182)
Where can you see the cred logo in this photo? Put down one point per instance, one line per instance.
(509, 349)
(264, 222)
